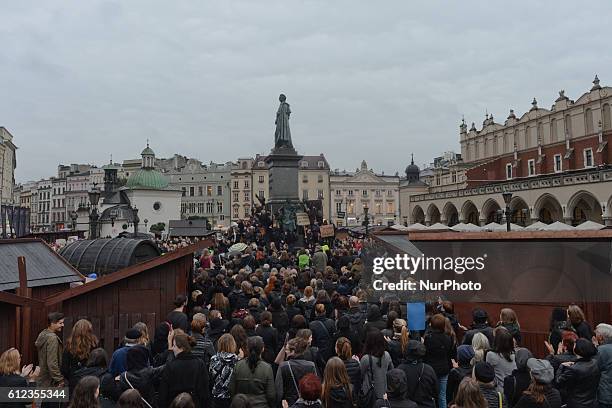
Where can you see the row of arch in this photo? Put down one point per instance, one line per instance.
(582, 206)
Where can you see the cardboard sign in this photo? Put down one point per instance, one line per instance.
(326, 231)
(302, 218)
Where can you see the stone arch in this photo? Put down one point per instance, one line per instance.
(547, 209)
(450, 214)
(583, 206)
(433, 214)
(418, 215)
(520, 211)
(469, 213)
(491, 211)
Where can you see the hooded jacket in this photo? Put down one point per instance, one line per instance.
(319, 261)
(397, 386)
(374, 321)
(186, 373)
(221, 369)
(50, 349)
(339, 397)
(258, 385)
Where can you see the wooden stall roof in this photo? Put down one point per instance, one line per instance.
(512, 235)
(44, 266)
(127, 272)
(12, 299)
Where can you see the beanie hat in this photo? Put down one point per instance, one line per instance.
(133, 334)
(465, 354)
(484, 372)
(541, 370)
(137, 358)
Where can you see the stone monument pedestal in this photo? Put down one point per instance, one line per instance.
(283, 165)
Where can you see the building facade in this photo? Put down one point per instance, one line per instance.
(44, 192)
(556, 163)
(8, 163)
(352, 191)
(244, 187)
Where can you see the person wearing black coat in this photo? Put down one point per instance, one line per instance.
(344, 329)
(480, 325)
(465, 354)
(540, 393)
(519, 380)
(422, 379)
(397, 385)
(578, 381)
(353, 369)
(270, 337)
(139, 375)
(374, 321)
(440, 351)
(323, 330)
(279, 316)
(186, 373)
(12, 376)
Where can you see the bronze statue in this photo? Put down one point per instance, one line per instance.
(282, 136)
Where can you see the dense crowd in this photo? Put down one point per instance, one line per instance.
(271, 326)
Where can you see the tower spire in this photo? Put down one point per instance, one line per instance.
(412, 158)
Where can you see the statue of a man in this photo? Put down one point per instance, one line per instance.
(282, 136)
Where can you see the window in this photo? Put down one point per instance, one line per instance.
(305, 194)
(350, 207)
(350, 192)
(261, 164)
(588, 119)
(192, 208)
(261, 194)
(236, 197)
(184, 191)
(247, 196)
(200, 191)
(221, 217)
(338, 206)
(454, 177)
(364, 193)
(209, 191)
(200, 208)
(320, 194)
(377, 193)
(319, 178)
(219, 190)
(508, 171)
(236, 215)
(219, 206)
(588, 157)
(390, 207)
(558, 163)
(247, 184)
(209, 207)
(321, 164)
(305, 178)
(191, 191)
(338, 192)
(246, 212)
(261, 179)
(531, 167)
(236, 185)
(304, 163)
(378, 208)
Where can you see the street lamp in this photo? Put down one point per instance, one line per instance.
(74, 216)
(507, 197)
(366, 220)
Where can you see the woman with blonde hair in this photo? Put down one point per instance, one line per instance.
(398, 344)
(13, 375)
(221, 370)
(337, 392)
(576, 318)
(481, 346)
(78, 346)
(509, 320)
(144, 334)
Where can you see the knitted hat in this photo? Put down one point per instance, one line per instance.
(484, 372)
(541, 370)
(133, 334)
(465, 354)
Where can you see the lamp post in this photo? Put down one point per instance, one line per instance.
(366, 218)
(507, 197)
(94, 197)
(74, 216)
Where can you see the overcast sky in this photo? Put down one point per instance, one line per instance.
(81, 80)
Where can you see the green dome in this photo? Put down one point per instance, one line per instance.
(149, 179)
(147, 151)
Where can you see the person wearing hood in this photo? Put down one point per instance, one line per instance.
(463, 369)
(356, 316)
(578, 381)
(519, 380)
(337, 387)
(480, 325)
(319, 259)
(421, 379)
(221, 369)
(374, 320)
(540, 393)
(50, 350)
(484, 374)
(139, 375)
(397, 385)
(218, 326)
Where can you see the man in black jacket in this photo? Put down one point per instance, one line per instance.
(480, 325)
(323, 330)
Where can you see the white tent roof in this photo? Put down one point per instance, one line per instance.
(493, 226)
(416, 227)
(463, 227)
(590, 225)
(537, 226)
(399, 227)
(558, 226)
(438, 227)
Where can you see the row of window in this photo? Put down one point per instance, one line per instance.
(201, 208)
(587, 160)
(349, 207)
(365, 193)
(200, 191)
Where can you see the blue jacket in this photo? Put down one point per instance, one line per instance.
(118, 363)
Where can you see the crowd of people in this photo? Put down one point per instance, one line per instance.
(272, 326)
